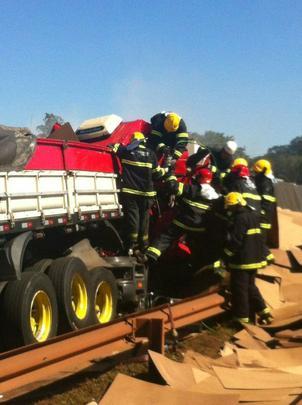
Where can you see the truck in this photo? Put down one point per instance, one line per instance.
(61, 253)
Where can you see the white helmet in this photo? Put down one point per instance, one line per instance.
(230, 147)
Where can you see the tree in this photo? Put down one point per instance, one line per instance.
(214, 139)
(48, 121)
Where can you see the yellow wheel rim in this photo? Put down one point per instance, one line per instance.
(79, 298)
(40, 316)
(103, 302)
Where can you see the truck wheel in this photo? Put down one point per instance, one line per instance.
(71, 282)
(29, 308)
(104, 293)
(41, 266)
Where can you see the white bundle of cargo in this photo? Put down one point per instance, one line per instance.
(99, 128)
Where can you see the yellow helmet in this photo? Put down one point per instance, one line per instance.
(171, 122)
(263, 166)
(234, 198)
(240, 162)
(138, 136)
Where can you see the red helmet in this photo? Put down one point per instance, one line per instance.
(241, 171)
(203, 175)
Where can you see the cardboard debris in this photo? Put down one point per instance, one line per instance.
(245, 340)
(177, 375)
(297, 253)
(131, 391)
(256, 378)
(290, 334)
(281, 258)
(286, 316)
(259, 333)
(270, 292)
(212, 385)
(205, 363)
(270, 358)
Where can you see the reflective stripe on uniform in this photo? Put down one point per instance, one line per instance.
(253, 231)
(145, 237)
(265, 226)
(182, 135)
(153, 250)
(188, 228)
(180, 188)
(213, 169)
(243, 320)
(251, 266)
(269, 198)
(251, 196)
(177, 153)
(159, 169)
(172, 178)
(137, 192)
(154, 132)
(265, 311)
(115, 147)
(139, 164)
(228, 252)
(133, 236)
(270, 257)
(197, 205)
(160, 145)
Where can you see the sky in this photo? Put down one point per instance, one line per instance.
(232, 66)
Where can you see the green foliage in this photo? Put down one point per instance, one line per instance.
(48, 121)
(286, 160)
(217, 140)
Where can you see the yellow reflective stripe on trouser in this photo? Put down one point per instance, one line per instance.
(253, 231)
(270, 257)
(154, 132)
(243, 320)
(197, 205)
(251, 266)
(188, 228)
(251, 196)
(228, 252)
(265, 226)
(266, 310)
(133, 236)
(145, 237)
(180, 188)
(139, 164)
(152, 249)
(269, 198)
(137, 192)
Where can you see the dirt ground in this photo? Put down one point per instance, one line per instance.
(206, 338)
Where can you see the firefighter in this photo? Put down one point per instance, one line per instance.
(264, 180)
(239, 180)
(195, 202)
(168, 135)
(243, 255)
(220, 162)
(139, 167)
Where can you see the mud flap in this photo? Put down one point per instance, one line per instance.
(11, 257)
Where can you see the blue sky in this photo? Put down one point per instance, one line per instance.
(233, 66)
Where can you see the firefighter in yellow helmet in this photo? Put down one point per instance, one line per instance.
(168, 135)
(244, 255)
(139, 168)
(264, 180)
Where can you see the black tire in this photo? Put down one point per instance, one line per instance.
(23, 303)
(104, 295)
(71, 282)
(41, 266)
